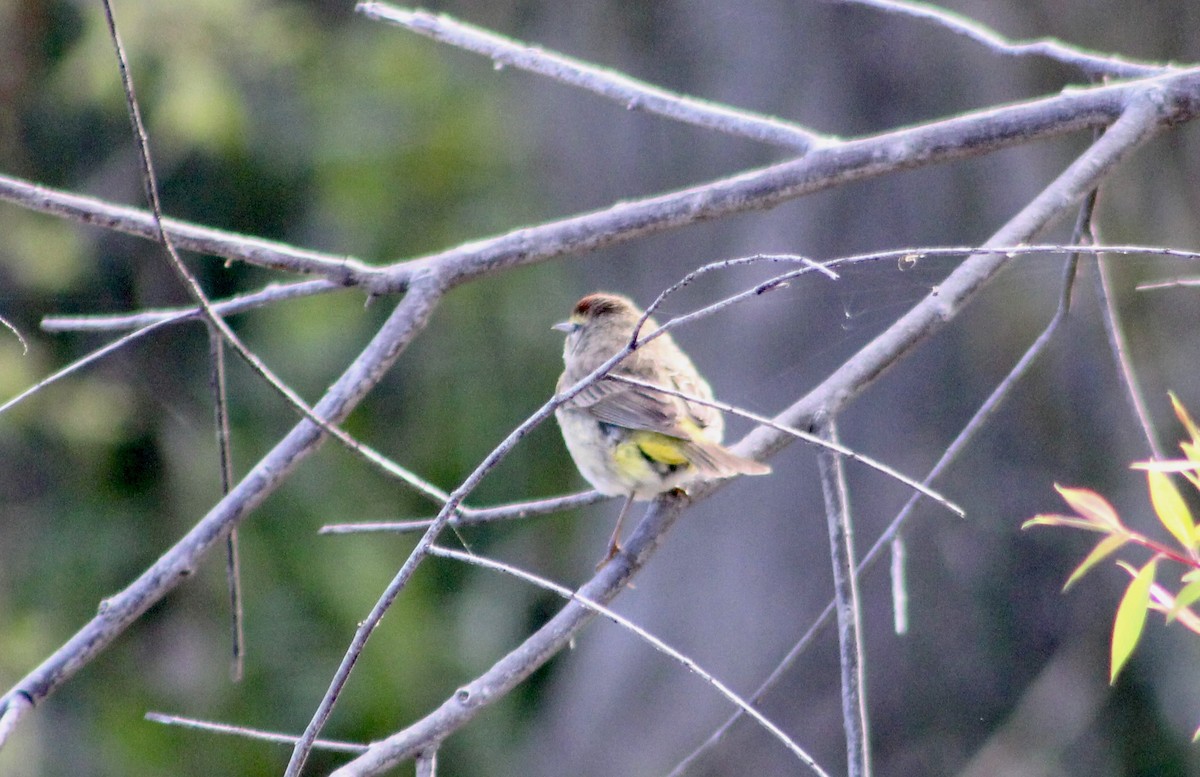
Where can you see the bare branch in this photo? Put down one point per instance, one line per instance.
(1115, 333)
(95, 355)
(849, 608)
(339, 270)
(1090, 63)
(476, 516)
(11, 712)
(631, 93)
(4, 322)
(427, 763)
(956, 138)
(539, 647)
(250, 733)
(240, 304)
(426, 280)
(233, 567)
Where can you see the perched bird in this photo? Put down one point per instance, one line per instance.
(630, 440)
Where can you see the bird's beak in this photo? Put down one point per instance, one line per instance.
(564, 326)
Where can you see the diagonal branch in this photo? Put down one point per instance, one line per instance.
(630, 92)
(340, 270)
(1092, 64)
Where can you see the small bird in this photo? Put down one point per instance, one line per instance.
(629, 440)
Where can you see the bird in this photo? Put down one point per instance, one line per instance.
(630, 440)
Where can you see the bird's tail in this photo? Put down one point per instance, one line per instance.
(717, 461)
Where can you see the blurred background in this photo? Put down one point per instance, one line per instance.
(303, 122)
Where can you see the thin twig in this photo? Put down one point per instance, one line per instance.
(686, 661)
(339, 270)
(270, 294)
(780, 281)
(150, 182)
(898, 578)
(80, 363)
(4, 322)
(826, 444)
(629, 92)
(1092, 64)
(250, 733)
(1115, 333)
(13, 710)
(233, 567)
(852, 655)
(476, 516)
(427, 763)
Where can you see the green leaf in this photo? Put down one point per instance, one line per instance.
(1172, 511)
(1188, 595)
(1131, 618)
(1103, 550)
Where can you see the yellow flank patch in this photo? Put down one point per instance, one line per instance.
(648, 463)
(631, 466)
(660, 448)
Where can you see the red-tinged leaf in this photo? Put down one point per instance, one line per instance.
(1073, 521)
(1103, 550)
(1091, 506)
(1186, 597)
(1172, 511)
(1131, 618)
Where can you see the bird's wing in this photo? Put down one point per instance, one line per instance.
(631, 407)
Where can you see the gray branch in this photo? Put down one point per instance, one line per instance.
(633, 94)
